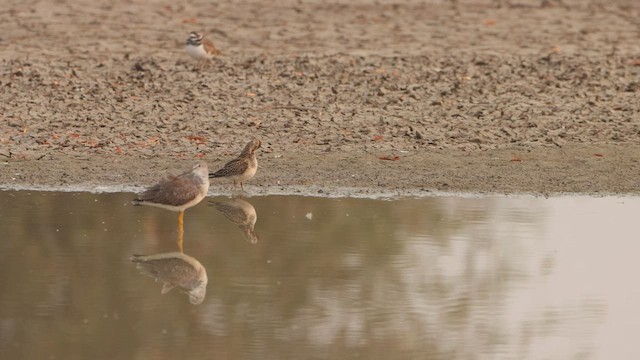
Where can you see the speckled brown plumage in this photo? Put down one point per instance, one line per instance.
(241, 168)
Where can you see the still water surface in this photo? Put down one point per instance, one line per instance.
(317, 278)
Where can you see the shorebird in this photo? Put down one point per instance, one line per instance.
(178, 193)
(199, 48)
(241, 168)
(241, 213)
(175, 269)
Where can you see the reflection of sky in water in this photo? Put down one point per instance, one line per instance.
(454, 278)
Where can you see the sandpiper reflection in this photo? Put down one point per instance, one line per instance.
(175, 269)
(241, 213)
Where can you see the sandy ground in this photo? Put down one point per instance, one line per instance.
(474, 96)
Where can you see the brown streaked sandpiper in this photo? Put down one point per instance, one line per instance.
(243, 167)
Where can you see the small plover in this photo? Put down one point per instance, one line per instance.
(199, 48)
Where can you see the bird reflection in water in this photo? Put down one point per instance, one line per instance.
(241, 213)
(175, 270)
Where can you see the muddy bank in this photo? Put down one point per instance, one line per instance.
(470, 96)
(600, 170)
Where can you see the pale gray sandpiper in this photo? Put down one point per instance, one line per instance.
(175, 269)
(241, 213)
(199, 48)
(178, 193)
(243, 167)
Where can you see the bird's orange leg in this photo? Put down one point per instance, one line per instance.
(180, 230)
(180, 220)
(180, 240)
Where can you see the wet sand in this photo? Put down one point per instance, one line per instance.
(474, 96)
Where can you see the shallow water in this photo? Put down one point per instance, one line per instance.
(438, 278)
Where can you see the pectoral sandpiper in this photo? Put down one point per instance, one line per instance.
(243, 167)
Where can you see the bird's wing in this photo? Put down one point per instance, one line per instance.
(171, 271)
(234, 167)
(210, 48)
(174, 191)
(232, 212)
(166, 287)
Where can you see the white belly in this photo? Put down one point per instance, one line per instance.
(251, 171)
(197, 52)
